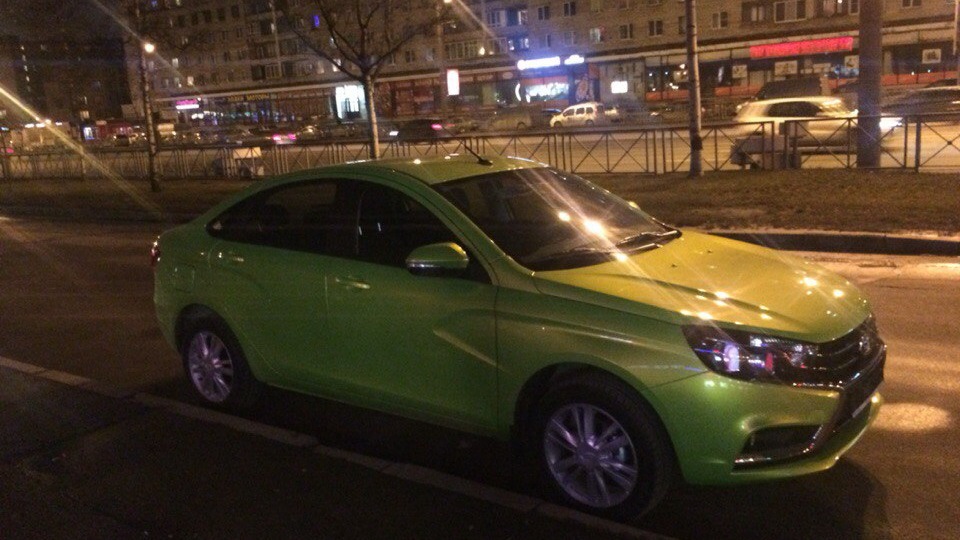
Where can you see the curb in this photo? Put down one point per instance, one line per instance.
(523, 504)
(853, 242)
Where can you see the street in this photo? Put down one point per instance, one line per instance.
(77, 297)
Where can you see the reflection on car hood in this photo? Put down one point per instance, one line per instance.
(699, 277)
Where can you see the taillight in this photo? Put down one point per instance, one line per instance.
(155, 254)
(436, 127)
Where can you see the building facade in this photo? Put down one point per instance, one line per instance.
(66, 80)
(242, 61)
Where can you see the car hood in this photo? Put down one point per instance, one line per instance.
(700, 278)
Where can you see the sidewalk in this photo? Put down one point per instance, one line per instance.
(80, 460)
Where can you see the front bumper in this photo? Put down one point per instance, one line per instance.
(721, 430)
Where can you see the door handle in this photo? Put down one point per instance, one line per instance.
(352, 283)
(230, 257)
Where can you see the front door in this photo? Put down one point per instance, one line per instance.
(414, 344)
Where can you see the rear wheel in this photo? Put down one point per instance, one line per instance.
(601, 448)
(216, 366)
(558, 125)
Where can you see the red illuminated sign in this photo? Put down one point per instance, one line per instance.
(799, 48)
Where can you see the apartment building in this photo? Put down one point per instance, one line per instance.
(238, 61)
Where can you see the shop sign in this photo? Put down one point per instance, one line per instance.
(453, 82)
(931, 56)
(739, 71)
(785, 68)
(800, 48)
(187, 104)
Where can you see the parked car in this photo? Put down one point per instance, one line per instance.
(582, 114)
(941, 104)
(501, 297)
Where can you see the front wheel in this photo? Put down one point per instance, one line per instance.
(601, 448)
(216, 366)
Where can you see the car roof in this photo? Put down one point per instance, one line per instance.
(813, 99)
(429, 170)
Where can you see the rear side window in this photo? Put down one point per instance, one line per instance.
(308, 216)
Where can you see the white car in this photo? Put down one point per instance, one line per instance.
(823, 118)
(582, 114)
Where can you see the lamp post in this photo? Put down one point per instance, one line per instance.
(146, 48)
(693, 89)
(439, 56)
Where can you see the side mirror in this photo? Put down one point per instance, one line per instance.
(442, 259)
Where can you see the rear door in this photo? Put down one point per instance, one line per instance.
(268, 275)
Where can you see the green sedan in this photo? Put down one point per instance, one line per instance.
(505, 298)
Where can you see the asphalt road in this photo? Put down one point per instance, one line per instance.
(77, 298)
(575, 150)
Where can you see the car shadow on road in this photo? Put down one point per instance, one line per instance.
(843, 502)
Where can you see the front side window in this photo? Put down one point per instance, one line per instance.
(546, 219)
(390, 225)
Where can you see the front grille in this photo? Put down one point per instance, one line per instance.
(859, 390)
(841, 362)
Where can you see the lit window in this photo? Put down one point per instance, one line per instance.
(596, 35)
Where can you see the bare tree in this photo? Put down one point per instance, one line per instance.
(148, 34)
(361, 37)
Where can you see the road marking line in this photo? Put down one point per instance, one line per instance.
(475, 490)
(63, 377)
(562, 513)
(369, 462)
(284, 436)
(21, 367)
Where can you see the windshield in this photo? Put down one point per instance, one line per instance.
(548, 220)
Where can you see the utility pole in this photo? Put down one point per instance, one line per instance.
(868, 98)
(145, 48)
(440, 58)
(956, 38)
(693, 84)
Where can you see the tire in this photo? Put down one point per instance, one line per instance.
(558, 125)
(216, 367)
(521, 125)
(624, 480)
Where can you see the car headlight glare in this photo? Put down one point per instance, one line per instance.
(749, 356)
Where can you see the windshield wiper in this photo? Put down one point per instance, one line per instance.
(575, 253)
(647, 238)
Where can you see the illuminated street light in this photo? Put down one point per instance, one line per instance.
(149, 48)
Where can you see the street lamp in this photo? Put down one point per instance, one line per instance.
(147, 95)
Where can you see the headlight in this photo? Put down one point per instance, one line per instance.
(749, 356)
